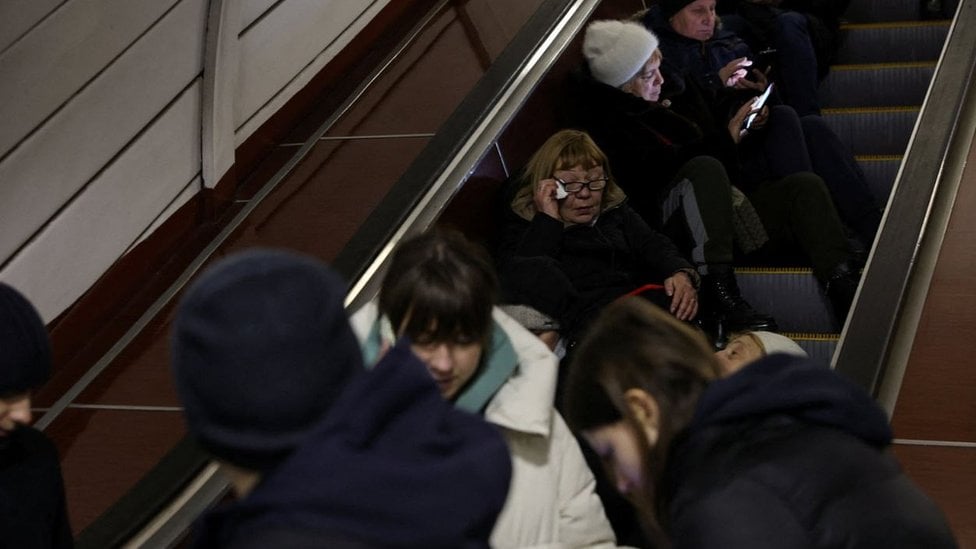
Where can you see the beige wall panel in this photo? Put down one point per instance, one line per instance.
(53, 61)
(287, 47)
(83, 241)
(252, 9)
(496, 22)
(18, 16)
(48, 168)
(219, 89)
(191, 191)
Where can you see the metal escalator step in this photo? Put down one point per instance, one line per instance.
(880, 172)
(873, 131)
(820, 346)
(891, 42)
(791, 295)
(882, 10)
(876, 85)
(883, 73)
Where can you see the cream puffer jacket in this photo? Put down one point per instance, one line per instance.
(552, 501)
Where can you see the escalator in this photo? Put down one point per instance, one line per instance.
(441, 168)
(871, 99)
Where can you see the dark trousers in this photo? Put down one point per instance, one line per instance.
(796, 63)
(795, 67)
(799, 217)
(700, 200)
(789, 144)
(844, 178)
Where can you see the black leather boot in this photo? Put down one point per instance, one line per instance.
(714, 329)
(721, 297)
(840, 288)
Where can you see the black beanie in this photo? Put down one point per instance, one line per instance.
(25, 349)
(261, 348)
(671, 7)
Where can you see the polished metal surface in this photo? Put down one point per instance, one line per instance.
(878, 333)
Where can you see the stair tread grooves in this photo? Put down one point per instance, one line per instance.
(872, 110)
(906, 24)
(883, 66)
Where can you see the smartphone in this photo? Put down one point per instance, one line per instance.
(560, 190)
(757, 104)
(766, 58)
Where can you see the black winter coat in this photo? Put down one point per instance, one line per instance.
(570, 273)
(648, 143)
(33, 513)
(392, 464)
(787, 454)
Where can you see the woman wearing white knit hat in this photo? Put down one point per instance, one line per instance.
(678, 161)
(749, 347)
(673, 181)
(617, 50)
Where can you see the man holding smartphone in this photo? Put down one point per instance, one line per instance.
(695, 49)
(801, 34)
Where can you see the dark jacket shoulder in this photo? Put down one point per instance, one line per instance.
(33, 512)
(392, 464)
(786, 453)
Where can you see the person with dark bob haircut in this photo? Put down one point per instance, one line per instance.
(442, 288)
(440, 292)
(782, 453)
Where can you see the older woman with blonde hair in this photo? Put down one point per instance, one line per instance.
(570, 243)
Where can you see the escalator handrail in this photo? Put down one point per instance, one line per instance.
(443, 166)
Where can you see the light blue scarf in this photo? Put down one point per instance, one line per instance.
(498, 363)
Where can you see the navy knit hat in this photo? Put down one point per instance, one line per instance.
(261, 348)
(25, 349)
(671, 7)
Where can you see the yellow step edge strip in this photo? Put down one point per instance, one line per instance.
(878, 157)
(773, 270)
(811, 336)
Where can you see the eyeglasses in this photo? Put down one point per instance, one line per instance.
(577, 186)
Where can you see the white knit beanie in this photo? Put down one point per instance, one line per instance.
(776, 343)
(617, 50)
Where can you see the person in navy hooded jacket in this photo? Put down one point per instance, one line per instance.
(781, 453)
(33, 512)
(320, 452)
